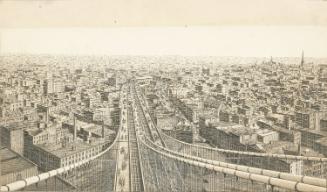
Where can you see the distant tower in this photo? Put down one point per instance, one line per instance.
(302, 59)
(301, 68)
(200, 104)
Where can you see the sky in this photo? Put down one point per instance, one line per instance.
(110, 13)
(260, 28)
(245, 41)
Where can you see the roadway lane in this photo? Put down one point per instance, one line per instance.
(136, 179)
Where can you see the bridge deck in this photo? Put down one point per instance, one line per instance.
(136, 183)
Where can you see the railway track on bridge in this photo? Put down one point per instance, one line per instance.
(150, 131)
(136, 177)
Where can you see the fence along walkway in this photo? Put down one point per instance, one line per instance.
(203, 153)
(21, 184)
(206, 167)
(284, 181)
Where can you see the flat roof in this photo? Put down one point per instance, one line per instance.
(237, 130)
(19, 125)
(265, 132)
(12, 162)
(144, 77)
(225, 124)
(71, 148)
(322, 133)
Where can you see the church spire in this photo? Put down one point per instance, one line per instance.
(302, 59)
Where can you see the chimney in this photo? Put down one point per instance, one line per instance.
(74, 127)
(297, 137)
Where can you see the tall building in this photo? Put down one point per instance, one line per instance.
(12, 136)
(53, 86)
(308, 119)
(48, 86)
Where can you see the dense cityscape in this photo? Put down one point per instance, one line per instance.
(169, 123)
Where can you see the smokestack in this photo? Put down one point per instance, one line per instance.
(297, 138)
(74, 127)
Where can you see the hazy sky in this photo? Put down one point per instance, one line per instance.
(215, 41)
(156, 27)
(105, 13)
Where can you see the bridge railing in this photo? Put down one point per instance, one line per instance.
(219, 157)
(23, 183)
(282, 156)
(244, 169)
(198, 172)
(287, 176)
(306, 165)
(101, 159)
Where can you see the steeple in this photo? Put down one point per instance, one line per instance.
(302, 59)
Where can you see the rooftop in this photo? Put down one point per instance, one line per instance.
(317, 132)
(144, 77)
(12, 162)
(237, 129)
(71, 148)
(20, 125)
(264, 132)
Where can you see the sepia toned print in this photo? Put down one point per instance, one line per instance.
(225, 96)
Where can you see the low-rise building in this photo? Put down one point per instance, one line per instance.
(267, 136)
(53, 156)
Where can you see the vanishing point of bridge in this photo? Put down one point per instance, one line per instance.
(142, 158)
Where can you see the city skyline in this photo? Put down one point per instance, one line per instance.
(105, 125)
